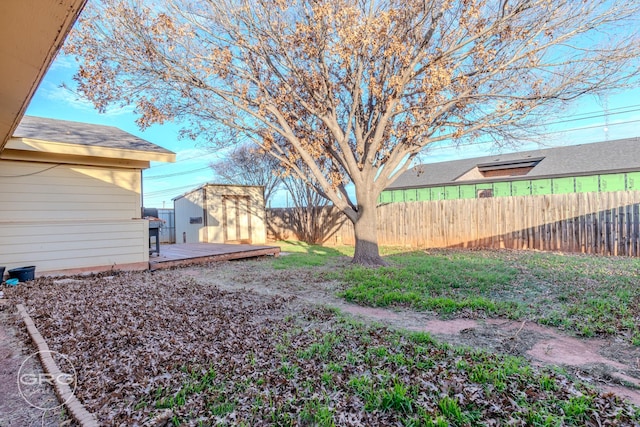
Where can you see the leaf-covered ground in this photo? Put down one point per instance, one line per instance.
(163, 344)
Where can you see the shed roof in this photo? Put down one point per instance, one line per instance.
(620, 155)
(212, 184)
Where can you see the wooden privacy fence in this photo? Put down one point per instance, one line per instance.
(318, 224)
(596, 223)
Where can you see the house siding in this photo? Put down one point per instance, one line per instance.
(60, 216)
(537, 187)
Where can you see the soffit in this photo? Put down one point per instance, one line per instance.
(31, 33)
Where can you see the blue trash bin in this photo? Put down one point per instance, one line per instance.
(23, 274)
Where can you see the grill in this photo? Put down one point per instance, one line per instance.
(155, 224)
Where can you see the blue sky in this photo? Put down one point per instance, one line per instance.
(582, 123)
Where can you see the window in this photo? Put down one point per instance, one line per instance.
(485, 193)
(508, 168)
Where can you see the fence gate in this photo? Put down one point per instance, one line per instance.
(168, 229)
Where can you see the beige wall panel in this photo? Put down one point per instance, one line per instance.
(215, 231)
(60, 245)
(38, 192)
(258, 220)
(59, 216)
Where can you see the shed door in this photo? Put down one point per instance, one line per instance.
(236, 211)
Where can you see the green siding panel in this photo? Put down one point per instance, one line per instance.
(612, 182)
(398, 195)
(410, 195)
(469, 191)
(563, 185)
(587, 184)
(437, 193)
(633, 181)
(580, 184)
(424, 194)
(502, 189)
(540, 187)
(452, 192)
(521, 188)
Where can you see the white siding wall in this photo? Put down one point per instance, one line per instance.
(65, 217)
(187, 207)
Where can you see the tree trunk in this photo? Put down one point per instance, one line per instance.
(366, 234)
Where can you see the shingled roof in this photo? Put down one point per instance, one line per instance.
(68, 132)
(622, 155)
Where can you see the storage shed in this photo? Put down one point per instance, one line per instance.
(217, 213)
(71, 197)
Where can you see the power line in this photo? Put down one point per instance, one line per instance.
(611, 109)
(199, 156)
(171, 190)
(31, 173)
(443, 147)
(446, 147)
(218, 148)
(176, 173)
(574, 118)
(592, 117)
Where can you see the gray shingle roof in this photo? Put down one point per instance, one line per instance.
(82, 134)
(600, 157)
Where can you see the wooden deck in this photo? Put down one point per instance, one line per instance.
(200, 253)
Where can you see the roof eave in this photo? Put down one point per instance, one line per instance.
(28, 54)
(27, 144)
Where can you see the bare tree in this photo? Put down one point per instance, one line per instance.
(247, 165)
(353, 89)
(310, 208)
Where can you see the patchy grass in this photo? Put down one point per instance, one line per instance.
(440, 283)
(299, 255)
(589, 295)
(146, 343)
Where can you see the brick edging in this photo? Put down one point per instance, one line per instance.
(63, 391)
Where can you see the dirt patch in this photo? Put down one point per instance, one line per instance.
(14, 410)
(571, 351)
(447, 327)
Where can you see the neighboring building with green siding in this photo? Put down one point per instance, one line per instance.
(595, 167)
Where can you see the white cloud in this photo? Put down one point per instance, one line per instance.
(67, 97)
(64, 62)
(189, 154)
